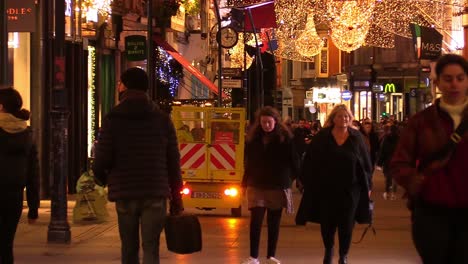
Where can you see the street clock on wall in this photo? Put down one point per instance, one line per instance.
(227, 37)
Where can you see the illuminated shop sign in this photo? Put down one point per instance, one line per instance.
(327, 95)
(346, 95)
(390, 88)
(21, 15)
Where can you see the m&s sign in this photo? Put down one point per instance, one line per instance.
(390, 88)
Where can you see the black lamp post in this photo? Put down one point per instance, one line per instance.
(59, 229)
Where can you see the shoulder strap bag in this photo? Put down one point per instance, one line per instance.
(447, 149)
(441, 154)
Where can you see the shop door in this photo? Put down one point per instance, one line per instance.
(396, 106)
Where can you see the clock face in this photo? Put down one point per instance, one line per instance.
(227, 37)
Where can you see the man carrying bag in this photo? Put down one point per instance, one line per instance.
(137, 156)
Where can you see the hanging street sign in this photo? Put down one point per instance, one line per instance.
(135, 47)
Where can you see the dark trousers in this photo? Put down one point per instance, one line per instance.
(390, 184)
(150, 215)
(273, 221)
(10, 213)
(345, 232)
(440, 234)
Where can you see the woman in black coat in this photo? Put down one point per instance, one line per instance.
(271, 165)
(19, 169)
(337, 182)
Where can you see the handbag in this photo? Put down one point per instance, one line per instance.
(441, 154)
(367, 219)
(183, 234)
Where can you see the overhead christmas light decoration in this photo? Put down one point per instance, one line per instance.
(377, 37)
(236, 53)
(353, 23)
(103, 7)
(309, 42)
(350, 22)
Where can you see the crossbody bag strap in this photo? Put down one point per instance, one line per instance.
(454, 139)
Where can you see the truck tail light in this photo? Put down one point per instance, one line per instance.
(233, 192)
(185, 191)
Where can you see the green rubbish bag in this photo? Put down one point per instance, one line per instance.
(91, 202)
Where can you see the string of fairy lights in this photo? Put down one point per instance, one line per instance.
(91, 98)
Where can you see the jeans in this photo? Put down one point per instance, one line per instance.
(10, 213)
(440, 234)
(151, 215)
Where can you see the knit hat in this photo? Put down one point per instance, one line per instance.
(135, 79)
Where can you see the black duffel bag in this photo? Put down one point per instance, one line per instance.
(183, 234)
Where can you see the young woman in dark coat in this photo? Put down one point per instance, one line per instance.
(19, 169)
(271, 165)
(337, 182)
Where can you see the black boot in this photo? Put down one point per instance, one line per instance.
(343, 260)
(328, 258)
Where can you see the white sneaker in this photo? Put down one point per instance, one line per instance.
(250, 260)
(272, 260)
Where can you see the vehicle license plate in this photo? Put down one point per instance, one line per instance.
(206, 195)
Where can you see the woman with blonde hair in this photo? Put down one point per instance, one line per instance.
(337, 182)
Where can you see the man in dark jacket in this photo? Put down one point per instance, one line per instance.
(137, 156)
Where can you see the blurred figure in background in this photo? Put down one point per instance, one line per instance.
(387, 149)
(371, 139)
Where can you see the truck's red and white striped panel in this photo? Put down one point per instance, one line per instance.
(192, 155)
(223, 157)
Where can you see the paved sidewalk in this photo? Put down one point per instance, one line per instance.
(226, 239)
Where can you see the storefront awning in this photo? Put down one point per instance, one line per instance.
(186, 64)
(263, 16)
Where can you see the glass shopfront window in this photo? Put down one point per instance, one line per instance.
(362, 104)
(19, 58)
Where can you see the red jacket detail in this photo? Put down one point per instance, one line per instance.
(426, 133)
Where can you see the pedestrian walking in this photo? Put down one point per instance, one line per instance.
(430, 163)
(19, 169)
(371, 139)
(137, 157)
(337, 182)
(271, 164)
(386, 151)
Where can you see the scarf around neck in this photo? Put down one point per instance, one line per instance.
(455, 111)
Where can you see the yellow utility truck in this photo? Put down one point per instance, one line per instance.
(211, 144)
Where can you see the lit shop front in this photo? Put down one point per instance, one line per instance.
(21, 22)
(362, 100)
(323, 101)
(389, 100)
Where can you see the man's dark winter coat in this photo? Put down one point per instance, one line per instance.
(137, 154)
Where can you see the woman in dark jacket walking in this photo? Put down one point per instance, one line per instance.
(19, 167)
(337, 182)
(271, 165)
